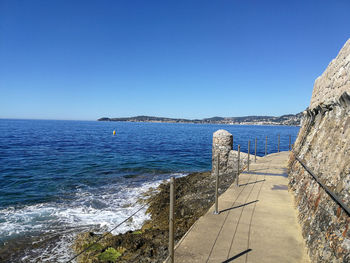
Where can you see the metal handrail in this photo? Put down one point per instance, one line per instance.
(327, 190)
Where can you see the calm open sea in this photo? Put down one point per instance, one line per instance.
(69, 176)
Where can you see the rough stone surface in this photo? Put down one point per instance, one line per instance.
(334, 81)
(222, 145)
(228, 158)
(323, 144)
(243, 160)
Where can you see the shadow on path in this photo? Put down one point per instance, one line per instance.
(237, 256)
(252, 182)
(231, 208)
(279, 187)
(268, 174)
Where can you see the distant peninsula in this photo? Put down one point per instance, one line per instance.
(288, 120)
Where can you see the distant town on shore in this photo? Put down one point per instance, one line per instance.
(289, 120)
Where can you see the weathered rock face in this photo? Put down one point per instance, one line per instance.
(334, 81)
(323, 144)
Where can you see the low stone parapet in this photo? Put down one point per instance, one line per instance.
(223, 147)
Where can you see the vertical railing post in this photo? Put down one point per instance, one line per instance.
(266, 146)
(290, 140)
(171, 220)
(255, 150)
(248, 155)
(216, 212)
(278, 148)
(238, 160)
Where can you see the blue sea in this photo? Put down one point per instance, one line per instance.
(63, 177)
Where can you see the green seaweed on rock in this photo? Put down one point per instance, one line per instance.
(110, 255)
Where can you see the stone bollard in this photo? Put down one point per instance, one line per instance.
(222, 145)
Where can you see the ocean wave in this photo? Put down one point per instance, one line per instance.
(96, 210)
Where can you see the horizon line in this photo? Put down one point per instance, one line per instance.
(191, 119)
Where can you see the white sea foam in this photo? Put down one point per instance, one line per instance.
(101, 210)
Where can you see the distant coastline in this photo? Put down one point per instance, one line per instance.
(287, 120)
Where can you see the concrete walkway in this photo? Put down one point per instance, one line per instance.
(257, 221)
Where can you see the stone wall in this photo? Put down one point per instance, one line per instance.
(223, 146)
(323, 144)
(334, 81)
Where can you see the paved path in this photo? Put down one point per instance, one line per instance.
(257, 221)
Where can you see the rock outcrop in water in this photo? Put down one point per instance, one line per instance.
(323, 144)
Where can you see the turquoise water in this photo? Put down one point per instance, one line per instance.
(76, 174)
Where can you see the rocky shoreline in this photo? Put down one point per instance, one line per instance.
(194, 196)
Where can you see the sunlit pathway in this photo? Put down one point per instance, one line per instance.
(257, 221)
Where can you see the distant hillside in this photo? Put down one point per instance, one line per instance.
(290, 119)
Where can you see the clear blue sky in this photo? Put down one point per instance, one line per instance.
(192, 59)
